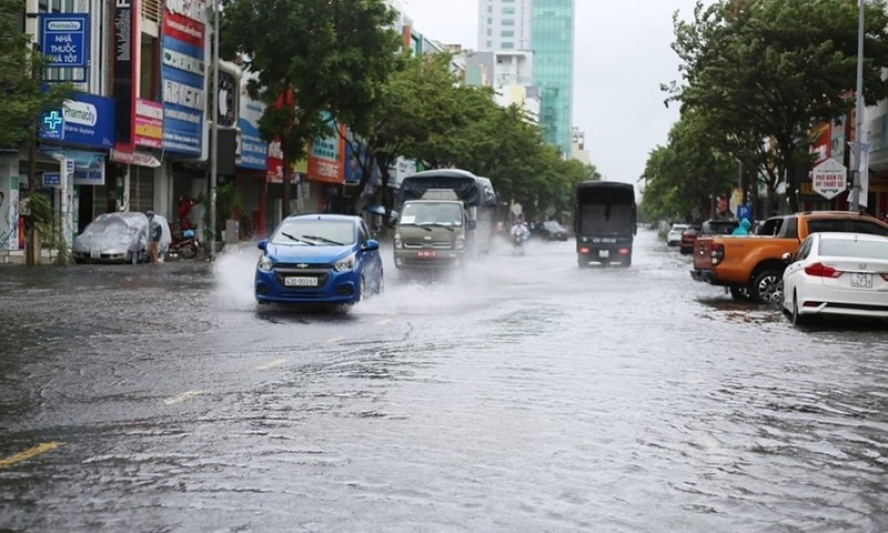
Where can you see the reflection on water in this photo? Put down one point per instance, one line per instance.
(520, 394)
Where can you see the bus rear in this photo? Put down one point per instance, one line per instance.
(605, 223)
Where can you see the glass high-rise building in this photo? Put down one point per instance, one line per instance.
(546, 28)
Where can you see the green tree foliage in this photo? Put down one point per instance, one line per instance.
(20, 65)
(314, 59)
(764, 70)
(688, 172)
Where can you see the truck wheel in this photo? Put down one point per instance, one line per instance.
(582, 261)
(627, 261)
(740, 293)
(767, 287)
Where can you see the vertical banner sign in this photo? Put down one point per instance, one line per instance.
(253, 150)
(183, 70)
(64, 40)
(125, 45)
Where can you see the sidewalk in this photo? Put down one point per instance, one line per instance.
(17, 257)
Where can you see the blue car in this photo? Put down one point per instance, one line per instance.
(327, 259)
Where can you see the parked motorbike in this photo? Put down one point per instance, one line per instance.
(186, 247)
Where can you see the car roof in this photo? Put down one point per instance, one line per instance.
(326, 216)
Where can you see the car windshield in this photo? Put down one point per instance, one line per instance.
(431, 213)
(315, 232)
(849, 248)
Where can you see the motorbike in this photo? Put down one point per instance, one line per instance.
(185, 247)
(518, 241)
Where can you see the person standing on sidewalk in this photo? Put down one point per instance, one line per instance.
(155, 232)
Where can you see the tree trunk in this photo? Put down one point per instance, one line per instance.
(32, 246)
(287, 172)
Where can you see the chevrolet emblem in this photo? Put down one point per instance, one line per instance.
(302, 265)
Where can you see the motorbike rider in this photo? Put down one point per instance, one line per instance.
(519, 231)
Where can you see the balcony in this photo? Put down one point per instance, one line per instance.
(152, 16)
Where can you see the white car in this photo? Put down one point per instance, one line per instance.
(673, 238)
(837, 274)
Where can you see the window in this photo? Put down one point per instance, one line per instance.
(508, 22)
(508, 46)
(507, 33)
(508, 11)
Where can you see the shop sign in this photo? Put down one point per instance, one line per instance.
(64, 39)
(85, 120)
(252, 151)
(829, 178)
(183, 70)
(149, 124)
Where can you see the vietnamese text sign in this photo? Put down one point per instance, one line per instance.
(829, 178)
(84, 119)
(149, 124)
(182, 70)
(64, 39)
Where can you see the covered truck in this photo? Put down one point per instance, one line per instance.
(445, 218)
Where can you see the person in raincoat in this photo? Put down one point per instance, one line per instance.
(742, 228)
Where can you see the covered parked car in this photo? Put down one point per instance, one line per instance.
(837, 274)
(118, 238)
(327, 259)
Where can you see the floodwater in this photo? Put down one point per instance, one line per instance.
(522, 394)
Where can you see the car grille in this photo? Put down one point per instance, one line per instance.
(437, 245)
(281, 272)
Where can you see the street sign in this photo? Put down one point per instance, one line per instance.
(744, 211)
(64, 39)
(829, 178)
(52, 179)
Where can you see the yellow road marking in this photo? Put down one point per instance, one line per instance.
(336, 340)
(271, 364)
(29, 453)
(384, 321)
(184, 397)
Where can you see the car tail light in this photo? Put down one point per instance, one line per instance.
(885, 276)
(717, 254)
(624, 251)
(822, 271)
(584, 250)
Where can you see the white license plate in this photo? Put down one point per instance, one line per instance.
(604, 253)
(95, 254)
(301, 281)
(862, 279)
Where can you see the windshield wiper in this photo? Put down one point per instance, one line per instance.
(323, 239)
(297, 239)
(415, 224)
(437, 225)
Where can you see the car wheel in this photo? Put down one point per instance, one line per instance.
(767, 287)
(380, 285)
(798, 319)
(362, 290)
(134, 258)
(740, 293)
(189, 251)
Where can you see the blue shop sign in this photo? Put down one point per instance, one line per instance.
(64, 39)
(84, 120)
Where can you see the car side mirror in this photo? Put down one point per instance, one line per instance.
(787, 258)
(371, 245)
(263, 244)
(471, 224)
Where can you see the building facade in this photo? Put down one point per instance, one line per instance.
(545, 30)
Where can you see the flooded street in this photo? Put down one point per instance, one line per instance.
(522, 394)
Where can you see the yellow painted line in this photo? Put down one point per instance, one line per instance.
(272, 364)
(336, 340)
(184, 397)
(30, 453)
(384, 321)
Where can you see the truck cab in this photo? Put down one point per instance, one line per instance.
(433, 231)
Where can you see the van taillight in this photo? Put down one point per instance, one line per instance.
(717, 253)
(822, 271)
(624, 251)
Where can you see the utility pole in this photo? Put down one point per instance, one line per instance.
(857, 145)
(32, 246)
(214, 135)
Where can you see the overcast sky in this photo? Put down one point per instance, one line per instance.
(622, 56)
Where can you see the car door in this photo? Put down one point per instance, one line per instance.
(795, 271)
(371, 262)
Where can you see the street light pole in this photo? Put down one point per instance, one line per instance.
(858, 140)
(214, 134)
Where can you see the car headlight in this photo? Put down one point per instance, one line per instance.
(346, 264)
(398, 242)
(460, 243)
(265, 264)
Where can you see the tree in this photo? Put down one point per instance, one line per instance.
(773, 69)
(314, 60)
(24, 101)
